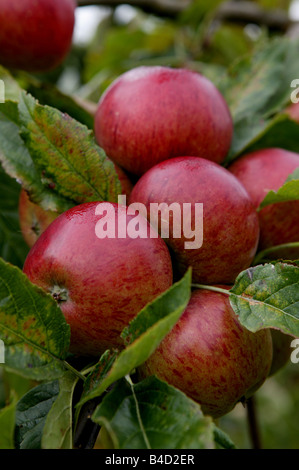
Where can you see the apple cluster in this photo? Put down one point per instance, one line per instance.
(168, 132)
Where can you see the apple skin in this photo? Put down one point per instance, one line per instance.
(100, 284)
(152, 113)
(210, 356)
(259, 172)
(35, 35)
(125, 181)
(33, 218)
(230, 222)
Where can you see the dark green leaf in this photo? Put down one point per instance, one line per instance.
(12, 245)
(31, 414)
(153, 415)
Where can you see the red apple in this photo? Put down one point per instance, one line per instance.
(35, 35)
(33, 219)
(125, 182)
(262, 171)
(210, 357)
(99, 283)
(229, 222)
(153, 113)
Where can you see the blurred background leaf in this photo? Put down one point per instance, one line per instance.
(12, 245)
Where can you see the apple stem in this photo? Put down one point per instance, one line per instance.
(75, 371)
(213, 288)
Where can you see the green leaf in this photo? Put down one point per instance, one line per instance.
(289, 191)
(267, 296)
(143, 336)
(12, 245)
(31, 413)
(57, 432)
(66, 155)
(18, 164)
(32, 326)
(153, 415)
(7, 424)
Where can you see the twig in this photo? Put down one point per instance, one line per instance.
(87, 431)
(253, 425)
(249, 12)
(232, 10)
(168, 7)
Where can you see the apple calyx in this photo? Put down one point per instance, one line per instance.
(60, 294)
(36, 228)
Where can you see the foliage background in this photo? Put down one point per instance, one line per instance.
(124, 38)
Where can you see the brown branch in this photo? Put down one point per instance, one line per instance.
(249, 12)
(168, 7)
(87, 431)
(253, 425)
(241, 11)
